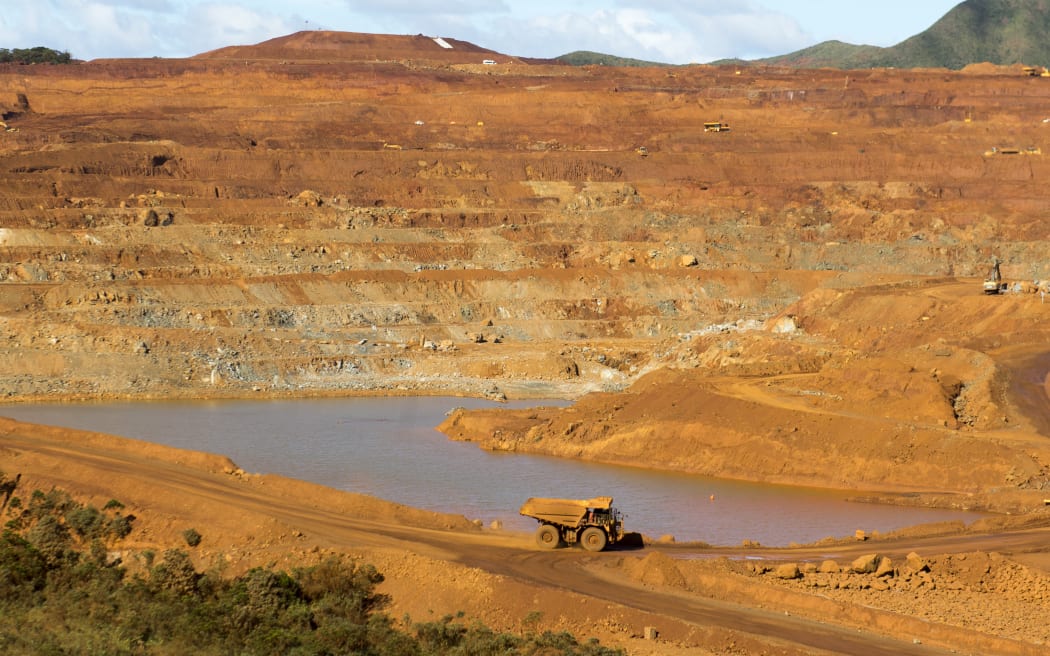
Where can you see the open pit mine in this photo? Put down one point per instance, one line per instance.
(764, 274)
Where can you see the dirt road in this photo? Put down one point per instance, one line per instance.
(257, 518)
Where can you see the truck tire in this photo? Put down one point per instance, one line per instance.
(547, 536)
(593, 538)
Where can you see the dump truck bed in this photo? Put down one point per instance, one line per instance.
(566, 512)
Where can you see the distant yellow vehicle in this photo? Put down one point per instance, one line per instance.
(1037, 71)
(993, 282)
(1013, 150)
(716, 127)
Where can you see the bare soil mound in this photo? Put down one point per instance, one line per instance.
(328, 46)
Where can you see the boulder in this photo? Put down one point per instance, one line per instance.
(917, 563)
(866, 564)
(787, 571)
(829, 567)
(885, 568)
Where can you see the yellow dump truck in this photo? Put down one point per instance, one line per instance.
(591, 523)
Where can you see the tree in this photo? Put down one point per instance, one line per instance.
(36, 55)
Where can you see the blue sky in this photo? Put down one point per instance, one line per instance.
(671, 31)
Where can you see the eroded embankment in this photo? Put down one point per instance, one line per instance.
(893, 389)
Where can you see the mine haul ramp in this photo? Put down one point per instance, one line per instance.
(593, 523)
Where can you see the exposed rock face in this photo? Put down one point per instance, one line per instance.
(782, 295)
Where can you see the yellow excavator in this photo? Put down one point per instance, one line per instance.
(993, 282)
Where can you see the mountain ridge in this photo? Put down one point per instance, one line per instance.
(1002, 32)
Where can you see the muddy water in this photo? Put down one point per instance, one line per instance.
(387, 447)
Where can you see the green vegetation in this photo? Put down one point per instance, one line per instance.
(587, 58)
(1000, 32)
(830, 54)
(63, 592)
(37, 55)
(192, 537)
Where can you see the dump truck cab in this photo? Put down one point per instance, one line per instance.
(593, 523)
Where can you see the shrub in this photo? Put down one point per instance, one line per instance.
(86, 522)
(23, 567)
(175, 574)
(192, 537)
(52, 539)
(120, 526)
(329, 608)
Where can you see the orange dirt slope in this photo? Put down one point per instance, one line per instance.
(796, 299)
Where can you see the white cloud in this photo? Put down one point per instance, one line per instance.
(748, 35)
(207, 26)
(106, 26)
(76, 26)
(138, 28)
(425, 7)
(675, 35)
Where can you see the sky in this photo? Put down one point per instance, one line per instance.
(668, 31)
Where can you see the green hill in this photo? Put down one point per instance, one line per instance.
(588, 58)
(996, 31)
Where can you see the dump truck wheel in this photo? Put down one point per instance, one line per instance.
(547, 536)
(593, 538)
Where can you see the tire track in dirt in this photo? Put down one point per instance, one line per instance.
(173, 487)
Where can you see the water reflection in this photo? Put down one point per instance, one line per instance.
(388, 447)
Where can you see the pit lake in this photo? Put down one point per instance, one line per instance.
(388, 447)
